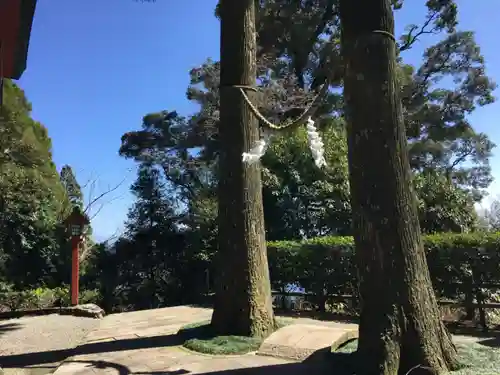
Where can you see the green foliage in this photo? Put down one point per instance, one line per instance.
(31, 195)
(71, 186)
(28, 219)
(23, 141)
(13, 301)
(299, 47)
(327, 265)
(90, 296)
(299, 199)
(151, 265)
(439, 134)
(442, 205)
(42, 298)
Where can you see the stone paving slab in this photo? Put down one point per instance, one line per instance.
(21, 340)
(144, 342)
(299, 341)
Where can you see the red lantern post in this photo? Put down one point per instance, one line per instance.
(76, 223)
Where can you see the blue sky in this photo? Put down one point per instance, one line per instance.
(96, 67)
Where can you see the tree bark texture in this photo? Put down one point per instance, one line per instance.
(243, 304)
(400, 325)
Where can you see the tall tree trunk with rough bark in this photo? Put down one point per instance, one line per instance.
(243, 304)
(400, 326)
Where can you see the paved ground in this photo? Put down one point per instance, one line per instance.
(19, 338)
(144, 342)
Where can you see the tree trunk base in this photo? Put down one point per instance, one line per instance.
(417, 349)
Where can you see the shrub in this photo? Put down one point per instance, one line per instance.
(90, 296)
(460, 265)
(13, 301)
(62, 296)
(42, 298)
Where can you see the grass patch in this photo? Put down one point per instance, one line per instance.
(477, 359)
(348, 347)
(199, 337)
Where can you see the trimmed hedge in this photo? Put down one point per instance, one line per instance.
(462, 266)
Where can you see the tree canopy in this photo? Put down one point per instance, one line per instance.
(170, 239)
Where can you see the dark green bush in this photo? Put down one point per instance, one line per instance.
(458, 264)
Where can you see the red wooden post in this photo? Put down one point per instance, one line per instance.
(76, 223)
(75, 269)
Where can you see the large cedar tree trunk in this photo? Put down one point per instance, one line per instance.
(400, 326)
(243, 304)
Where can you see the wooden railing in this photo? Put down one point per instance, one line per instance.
(473, 301)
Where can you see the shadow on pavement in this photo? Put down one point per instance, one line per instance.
(53, 356)
(491, 342)
(9, 327)
(42, 370)
(321, 362)
(124, 370)
(467, 328)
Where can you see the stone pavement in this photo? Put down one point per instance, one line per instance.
(144, 342)
(300, 341)
(23, 339)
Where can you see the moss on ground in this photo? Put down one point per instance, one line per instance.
(199, 337)
(477, 359)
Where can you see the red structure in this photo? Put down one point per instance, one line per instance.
(76, 222)
(16, 18)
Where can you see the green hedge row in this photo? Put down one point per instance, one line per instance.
(460, 264)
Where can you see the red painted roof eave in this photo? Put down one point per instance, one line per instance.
(26, 21)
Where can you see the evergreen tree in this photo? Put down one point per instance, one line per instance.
(150, 257)
(31, 195)
(71, 185)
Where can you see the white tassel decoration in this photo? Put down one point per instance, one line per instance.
(316, 144)
(256, 152)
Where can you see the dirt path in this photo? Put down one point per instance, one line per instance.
(53, 334)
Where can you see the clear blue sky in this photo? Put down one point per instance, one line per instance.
(96, 67)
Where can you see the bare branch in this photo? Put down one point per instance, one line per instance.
(102, 195)
(103, 205)
(412, 38)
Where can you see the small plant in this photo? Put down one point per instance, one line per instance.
(15, 301)
(90, 296)
(62, 296)
(42, 298)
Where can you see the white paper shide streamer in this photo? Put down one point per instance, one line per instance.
(315, 143)
(254, 155)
